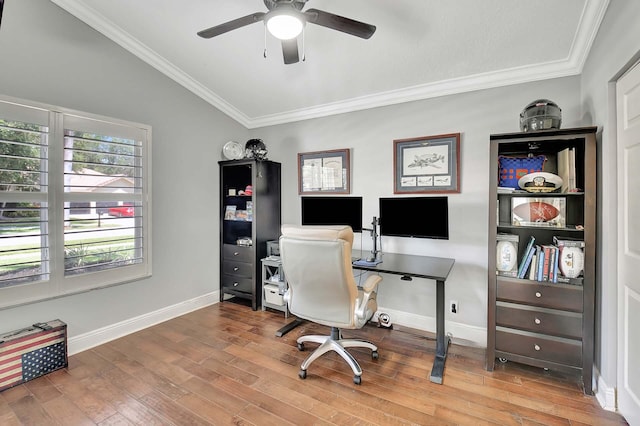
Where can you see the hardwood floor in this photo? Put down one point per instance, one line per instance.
(224, 365)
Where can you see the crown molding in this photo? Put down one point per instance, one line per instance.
(590, 20)
(148, 55)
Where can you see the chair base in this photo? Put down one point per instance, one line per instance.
(336, 343)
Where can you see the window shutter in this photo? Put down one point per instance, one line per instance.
(74, 201)
(103, 180)
(24, 226)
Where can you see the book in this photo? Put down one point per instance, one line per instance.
(521, 268)
(527, 263)
(540, 259)
(567, 242)
(572, 171)
(563, 169)
(556, 253)
(532, 269)
(545, 263)
(553, 251)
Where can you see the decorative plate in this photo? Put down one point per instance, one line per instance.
(233, 151)
(540, 182)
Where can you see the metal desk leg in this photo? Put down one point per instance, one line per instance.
(442, 341)
(287, 328)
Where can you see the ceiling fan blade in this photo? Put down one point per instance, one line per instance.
(340, 23)
(231, 25)
(290, 51)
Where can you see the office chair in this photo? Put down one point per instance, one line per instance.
(322, 289)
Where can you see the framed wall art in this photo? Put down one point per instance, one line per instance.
(425, 165)
(324, 172)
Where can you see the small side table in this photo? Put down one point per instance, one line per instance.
(273, 285)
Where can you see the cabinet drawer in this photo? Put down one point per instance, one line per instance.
(237, 283)
(555, 296)
(237, 269)
(540, 347)
(239, 253)
(561, 324)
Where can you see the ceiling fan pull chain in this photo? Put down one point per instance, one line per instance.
(264, 54)
(304, 55)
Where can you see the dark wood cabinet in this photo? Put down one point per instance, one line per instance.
(250, 215)
(535, 319)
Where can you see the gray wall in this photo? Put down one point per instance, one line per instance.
(49, 56)
(616, 47)
(370, 134)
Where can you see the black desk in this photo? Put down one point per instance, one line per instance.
(434, 268)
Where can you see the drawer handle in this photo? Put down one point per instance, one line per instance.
(236, 268)
(536, 347)
(538, 294)
(537, 321)
(235, 284)
(235, 253)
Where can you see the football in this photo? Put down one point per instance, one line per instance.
(506, 254)
(536, 211)
(571, 261)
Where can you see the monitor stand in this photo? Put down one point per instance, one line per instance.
(374, 255)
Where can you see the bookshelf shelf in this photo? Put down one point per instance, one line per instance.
(551, 298)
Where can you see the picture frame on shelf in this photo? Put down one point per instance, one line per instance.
(323, 172)
(427, 165)
(543, 211)
(230, 212)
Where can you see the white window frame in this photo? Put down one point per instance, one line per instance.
(58, 284)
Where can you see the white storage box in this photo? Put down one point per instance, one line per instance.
(272, 295)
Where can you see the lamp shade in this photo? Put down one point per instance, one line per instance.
(284, 24)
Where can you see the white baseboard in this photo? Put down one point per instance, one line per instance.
(462, 334)
(605, 394)
(97, 337)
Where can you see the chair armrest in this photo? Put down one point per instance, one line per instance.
(371, 283)
(366, 307)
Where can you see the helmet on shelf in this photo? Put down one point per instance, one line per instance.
(256, 149)
(541, 114)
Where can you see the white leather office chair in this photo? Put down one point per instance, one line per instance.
(322, 289)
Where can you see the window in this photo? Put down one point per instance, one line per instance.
(74, 202)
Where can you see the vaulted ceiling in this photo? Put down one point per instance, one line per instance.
(421, 49)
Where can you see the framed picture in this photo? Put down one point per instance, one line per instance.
(324, 172)
(543, 211)
(430, 164)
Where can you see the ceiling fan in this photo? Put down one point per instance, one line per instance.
(285, 20)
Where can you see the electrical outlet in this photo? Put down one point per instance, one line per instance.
(454, 308)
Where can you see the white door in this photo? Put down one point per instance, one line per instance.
(628, 113)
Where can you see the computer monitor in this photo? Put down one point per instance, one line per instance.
(418, 217)
(336, 210)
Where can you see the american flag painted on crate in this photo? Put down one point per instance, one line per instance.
(32, 352)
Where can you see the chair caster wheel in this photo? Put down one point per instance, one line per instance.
(374, 355)
(503, 360)
(302, 374)
(301, 346)
(357, 380)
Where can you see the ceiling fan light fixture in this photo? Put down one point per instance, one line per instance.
(284, 24)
